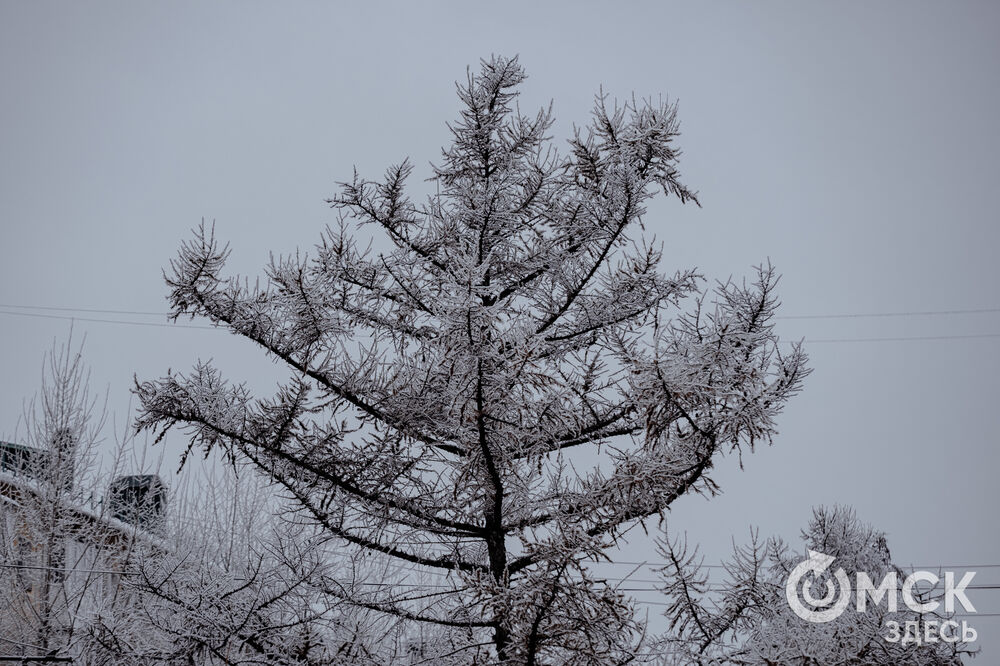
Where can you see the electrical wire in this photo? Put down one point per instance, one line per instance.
(108, 321)
(127, 322)
(848, 315)
(866, 315)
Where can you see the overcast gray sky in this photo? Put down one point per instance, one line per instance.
(854, 144)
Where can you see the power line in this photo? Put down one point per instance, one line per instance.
(92, 310)
(108, 321)
(128, 322)
(844, 315)
(905, 338)
(642, 602)
(651, 563)
(648, 588)
(866, 315)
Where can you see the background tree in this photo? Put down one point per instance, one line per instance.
(443, 396)
(746, 618)
(207, 585)
(228, 581)
(54, 546)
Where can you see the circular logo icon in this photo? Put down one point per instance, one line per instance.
(811, 608)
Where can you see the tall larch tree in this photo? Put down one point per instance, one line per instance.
(496, 399)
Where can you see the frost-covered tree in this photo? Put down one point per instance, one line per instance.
(500, 394)
(55, 546)
(743, 617)
(227, 582)
(86, 574)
